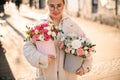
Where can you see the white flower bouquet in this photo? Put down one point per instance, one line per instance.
(76, 49)
(77, 45)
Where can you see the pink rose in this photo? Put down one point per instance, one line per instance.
(47, 37)
(35, 37)
(80, 52)
(32, 30)
(45, 31)
(44, 25)
(37, 27)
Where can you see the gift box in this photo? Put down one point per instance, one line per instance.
(46, 47)
(72, 63)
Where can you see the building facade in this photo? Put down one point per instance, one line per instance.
(105, 11)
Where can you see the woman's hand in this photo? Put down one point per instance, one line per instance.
(51, 58)
(80, 71)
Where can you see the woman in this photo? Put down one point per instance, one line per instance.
(55, 70)
(18, 3)
(2, 10)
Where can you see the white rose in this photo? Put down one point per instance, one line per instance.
(41, 37)
(76, 44)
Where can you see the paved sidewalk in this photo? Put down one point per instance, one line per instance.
(106, 62)
(5, 71)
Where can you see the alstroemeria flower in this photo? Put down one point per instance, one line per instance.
(56, 27)
(61, 44)
(67, 50)
(53, 34)
(49, 32)
(36, 31)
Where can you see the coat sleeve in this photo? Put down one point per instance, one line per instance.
(32, 55)
(87, 64)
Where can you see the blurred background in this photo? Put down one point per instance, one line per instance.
(99, 19)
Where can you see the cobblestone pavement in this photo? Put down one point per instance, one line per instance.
(108, 70)
(12, 43)
(106, 61)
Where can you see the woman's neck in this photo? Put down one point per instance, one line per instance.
(56, 20)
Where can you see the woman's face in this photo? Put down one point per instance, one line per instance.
(56, 8)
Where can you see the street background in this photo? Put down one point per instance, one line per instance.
(106, 61)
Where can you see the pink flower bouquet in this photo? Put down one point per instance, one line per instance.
(43, 34)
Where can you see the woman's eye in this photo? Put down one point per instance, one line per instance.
(59, 5)
(51, 5)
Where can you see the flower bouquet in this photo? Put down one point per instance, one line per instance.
(43, 34)
(76, 49)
